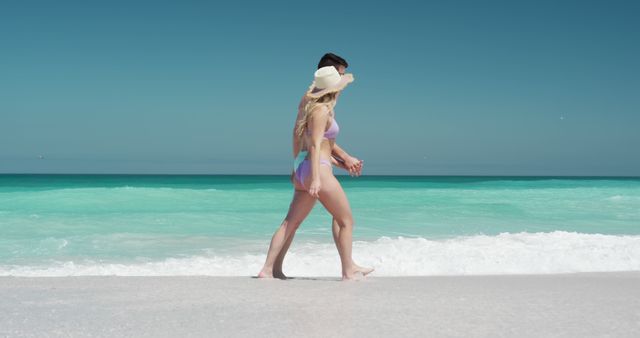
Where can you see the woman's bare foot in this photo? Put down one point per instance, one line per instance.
(354, 276)
(265, 274)
(363, 270)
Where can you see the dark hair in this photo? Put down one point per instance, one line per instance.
(331, 59)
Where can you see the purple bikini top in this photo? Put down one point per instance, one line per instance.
(333, 130)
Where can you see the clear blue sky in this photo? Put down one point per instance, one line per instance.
(449, 88)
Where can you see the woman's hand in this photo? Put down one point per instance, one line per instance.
(353, 165)
(314, 188)
(358, 171)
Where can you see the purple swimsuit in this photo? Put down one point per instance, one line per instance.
(302, 165)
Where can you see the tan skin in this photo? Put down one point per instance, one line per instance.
(349, 163)
(325, 187)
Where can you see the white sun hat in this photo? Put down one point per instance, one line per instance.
(328, 80)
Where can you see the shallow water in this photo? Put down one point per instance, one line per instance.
(405, 225)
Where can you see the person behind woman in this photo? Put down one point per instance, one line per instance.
(339, 158)
(313, 176)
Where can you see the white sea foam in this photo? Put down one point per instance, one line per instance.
(506, 253)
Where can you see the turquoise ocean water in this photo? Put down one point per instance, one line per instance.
(59, 225)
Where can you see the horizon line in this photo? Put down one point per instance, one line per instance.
(369, 175)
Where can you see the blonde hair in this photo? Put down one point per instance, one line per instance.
(328, 100)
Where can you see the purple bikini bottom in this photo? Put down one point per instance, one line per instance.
(304, 169)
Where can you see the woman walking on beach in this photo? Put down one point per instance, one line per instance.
(313, 176)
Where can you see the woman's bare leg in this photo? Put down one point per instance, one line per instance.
(299, 208)
(335, 201)
(335, 230)
(277, 265)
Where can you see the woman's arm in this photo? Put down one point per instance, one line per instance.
(349, 163)
(296, 149)
(338, 152)
(296, 139)
(317, 123)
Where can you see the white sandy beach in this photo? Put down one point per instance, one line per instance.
(561, 305)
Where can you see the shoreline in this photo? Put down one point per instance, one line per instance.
(586, 304)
